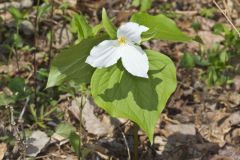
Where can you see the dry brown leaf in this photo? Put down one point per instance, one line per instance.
(58, 138)
(209, 38)
(36, 142)
(220, 123)
(185, 129)
(3, 149)
(93, 124)
(236, 81)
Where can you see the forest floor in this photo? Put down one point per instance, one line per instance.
(200, 122)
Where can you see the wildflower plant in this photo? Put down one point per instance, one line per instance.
(125, 80)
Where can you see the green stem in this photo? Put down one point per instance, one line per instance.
(80, 127)
(81, 105)
(135, 136)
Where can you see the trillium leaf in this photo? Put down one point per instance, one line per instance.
(165, 28)
(107, 24)
(69, 65)
(138, 99)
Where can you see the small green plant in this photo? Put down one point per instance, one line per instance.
(16, 40)
(144, 4)
(196, 26)
(218, 66)
(218, 62)
(79, 26)
(208, 12)
(138, 86)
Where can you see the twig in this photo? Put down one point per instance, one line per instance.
(189, 13)
(80, 128)
(228, 19)
(23, 110)
(17, 58)
(34, 54)
(227, 9)
(81, 105)
(126, 143)
(51, 32)
(20, 122)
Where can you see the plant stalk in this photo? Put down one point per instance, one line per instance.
(81, 105)
(51, 33)
(135, 138)
(80, 127)
(34, 54)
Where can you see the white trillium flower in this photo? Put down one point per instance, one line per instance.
(108, 52)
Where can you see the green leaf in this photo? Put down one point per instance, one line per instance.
(17, 40)
(200, 61)
(190, 60)
(166, 29)
(224, 57)
(136, 3)
(43, 9)
(138, 99)
(17, 15)
(65, 129)
(107, 24)
(70, 64)
(80, 26)
(150, 34)
(96, 29)
(17, 85)
(5, 99)
(187, 60)
(145, 5)
(74, 141)
(212, 76)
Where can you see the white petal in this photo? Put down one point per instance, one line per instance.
(134, 60)
(132, 31)
(104, 54)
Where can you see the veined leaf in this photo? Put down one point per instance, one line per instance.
(166, 29)
(70, 64)
(109, 27)
(138, 99)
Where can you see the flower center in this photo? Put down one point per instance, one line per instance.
(122, 40)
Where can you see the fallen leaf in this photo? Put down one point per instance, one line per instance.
(236, 81)
(3, 149)
(58, 138)
(185, 129)
(227, 153)
(209, 39)
(36, 142)
(93, 124)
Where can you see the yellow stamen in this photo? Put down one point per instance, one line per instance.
(122, 40)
